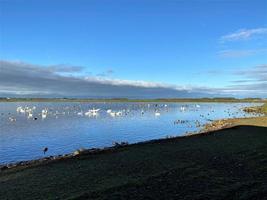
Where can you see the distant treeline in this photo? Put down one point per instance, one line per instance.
(217, 99)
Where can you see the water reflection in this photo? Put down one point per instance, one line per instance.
(26, 128)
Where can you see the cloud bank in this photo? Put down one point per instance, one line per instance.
(24, 79)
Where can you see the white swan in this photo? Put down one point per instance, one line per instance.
(182, 108)
(20, 109)
(44, 113)
(12, 119)
(30, 115)
(157, 113)
(43, 116)
(92, 112)
(112, 114)
(80, 113)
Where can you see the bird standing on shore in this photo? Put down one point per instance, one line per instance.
(45, 150)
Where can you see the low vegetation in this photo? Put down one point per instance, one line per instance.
(257, 109)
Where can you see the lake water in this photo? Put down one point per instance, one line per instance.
(64, 127)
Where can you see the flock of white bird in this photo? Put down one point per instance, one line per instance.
(32, 113)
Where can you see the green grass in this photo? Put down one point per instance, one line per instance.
(226, 164)
(264, 108)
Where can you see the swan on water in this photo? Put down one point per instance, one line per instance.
(112, 114)
(30, 115)
(157, 113)
(92, 112)
(12, 119)
(80, 113)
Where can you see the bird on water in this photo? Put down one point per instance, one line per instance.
(45, 150)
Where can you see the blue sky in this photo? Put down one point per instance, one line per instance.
(193, 44)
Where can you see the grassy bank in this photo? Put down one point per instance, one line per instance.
(224, 164)
(232, 122)
(264, 108)
(257, 109)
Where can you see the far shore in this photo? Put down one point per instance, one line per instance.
(166, 100)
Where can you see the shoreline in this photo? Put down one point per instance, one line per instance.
(91, 151)
(207, 129)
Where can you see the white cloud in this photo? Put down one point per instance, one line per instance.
(244, 34)
(240, 53)
(135, 83)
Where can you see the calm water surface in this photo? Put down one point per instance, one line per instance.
(64, 127)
